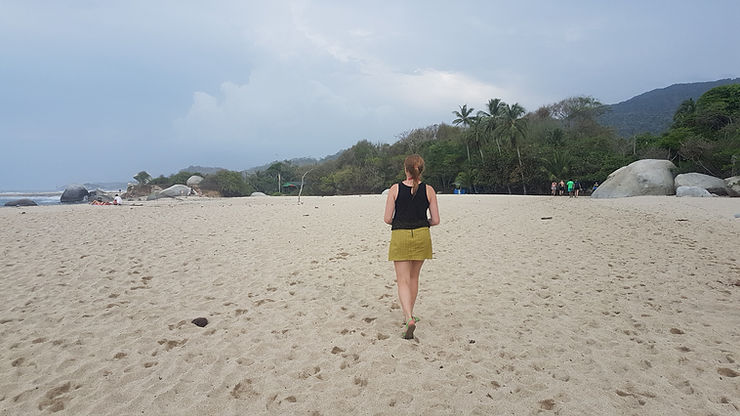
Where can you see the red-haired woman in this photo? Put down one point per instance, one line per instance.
(411, 244)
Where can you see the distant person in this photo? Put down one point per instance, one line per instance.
(411, 243)
(117, 200)
(553, 188)
(577, 187)
(99, 201)
(570, 186)
(561, 187)
(595, 187)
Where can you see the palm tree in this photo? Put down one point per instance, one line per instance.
(464, 118)
(511, 124)
(489, 118)
(558, 164)
(477, 133)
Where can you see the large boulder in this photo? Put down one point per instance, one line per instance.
(172, 192)
(257, 194)
(194, 180)
(644, 177)
(74, 193)
(710, 183)
(697, 191)
(23, 202)
(99, 195)
(733, 186)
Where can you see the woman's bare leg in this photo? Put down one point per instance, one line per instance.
(414, 283)
(407, 278)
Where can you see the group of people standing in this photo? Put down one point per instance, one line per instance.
(572, 187)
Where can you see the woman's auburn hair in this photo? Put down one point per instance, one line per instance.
(414, 165)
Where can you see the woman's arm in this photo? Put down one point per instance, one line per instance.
(390, 204)
(433, 207)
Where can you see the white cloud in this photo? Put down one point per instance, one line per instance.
(248, 79)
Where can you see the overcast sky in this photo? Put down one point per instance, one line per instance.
(100, 90)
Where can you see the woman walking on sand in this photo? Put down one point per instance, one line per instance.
(411, 243)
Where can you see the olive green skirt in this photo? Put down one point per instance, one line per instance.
(413, 244)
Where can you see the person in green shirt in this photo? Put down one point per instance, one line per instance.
(570, 185)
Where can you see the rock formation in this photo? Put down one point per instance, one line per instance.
(171, 192)
(692, 191)
(23, 202)
(710, 183)
(733, 185)
(194, 180)
(74, 193)
(643, 177)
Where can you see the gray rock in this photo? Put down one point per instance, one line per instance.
(710, 183)
(100, 195)
(194, 180)
(643, 177)
(697, 191)
(23, 202)
(733, 186)
(257, 194)
(74, 193)
(173, 191)
(201, 322)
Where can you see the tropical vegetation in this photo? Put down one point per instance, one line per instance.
(505, 149)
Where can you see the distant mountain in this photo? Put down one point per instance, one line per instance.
(652, 112)
(299, 161)
(202, 169)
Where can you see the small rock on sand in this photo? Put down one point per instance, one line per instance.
(201, 322)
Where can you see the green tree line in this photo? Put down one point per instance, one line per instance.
(502, 148)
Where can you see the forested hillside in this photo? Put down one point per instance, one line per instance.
(502, 148)
(652, 112)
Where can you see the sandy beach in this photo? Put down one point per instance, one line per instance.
(532, 305)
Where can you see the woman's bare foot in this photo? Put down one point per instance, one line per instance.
(409, 329)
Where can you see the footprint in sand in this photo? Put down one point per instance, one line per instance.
(54, 399)
(727, 372)
(548, 404)
(310, 372)
(244, 389)
(171, 344)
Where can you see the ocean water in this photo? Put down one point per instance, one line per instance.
(41, 198)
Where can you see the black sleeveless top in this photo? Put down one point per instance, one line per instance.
(411, 210)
